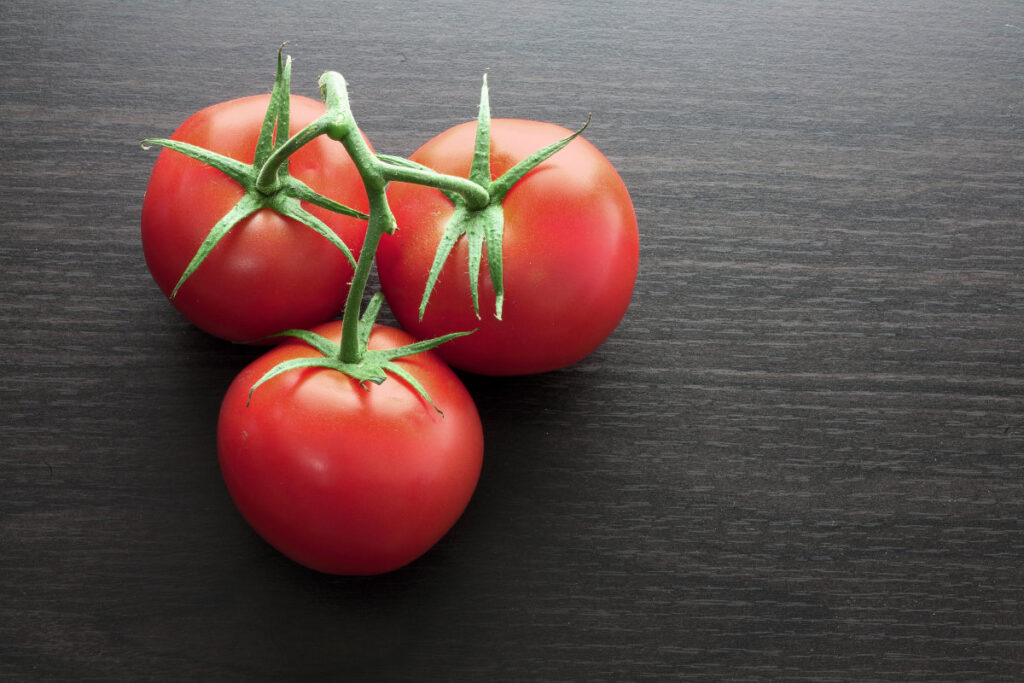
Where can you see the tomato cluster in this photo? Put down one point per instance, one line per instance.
(503, 247)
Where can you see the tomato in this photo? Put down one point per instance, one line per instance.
(343, 479)
(269, 273)
(570, 253)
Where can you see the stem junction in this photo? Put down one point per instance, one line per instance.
(351, 356)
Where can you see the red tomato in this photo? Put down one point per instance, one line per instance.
(269, 273)
(570, 254)
(343, 479)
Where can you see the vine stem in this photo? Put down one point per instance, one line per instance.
(476, 196)
(352, 349)
(338, 118)
(268, 181)
(339, 124)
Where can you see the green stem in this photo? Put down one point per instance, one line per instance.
(334, 91)
(352, 346)
(269, 181)
(340, 125)
(476, 197)
(335, 122)
(350, 356)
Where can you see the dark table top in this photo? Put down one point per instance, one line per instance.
(799, 457)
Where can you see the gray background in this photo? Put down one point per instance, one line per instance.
(798, 458)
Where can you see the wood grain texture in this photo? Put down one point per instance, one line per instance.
(799, 458)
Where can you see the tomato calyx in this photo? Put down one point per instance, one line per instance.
(483, 225)
(266, 181)
(371, 365)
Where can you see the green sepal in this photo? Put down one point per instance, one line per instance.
(369, 318)
(290, 207)
(494, 234)
(293, 364)
(480, 171)
(501, 186)
(452, 232)
(247, 205)
(384, 359)
(475, 244)
(485, 226)
(374, 366)
(322, 344)
(276, 119)
(282, 94)
(407, 377)
(294, 187)
(240, 172)
(419, 347)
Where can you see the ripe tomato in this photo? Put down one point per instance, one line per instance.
(269, 273)
(570, 253)
(347, 480)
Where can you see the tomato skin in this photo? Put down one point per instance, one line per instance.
(346, 480)
(570, 253)
(269, 273)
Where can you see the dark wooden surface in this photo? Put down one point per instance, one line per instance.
(799, 458)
